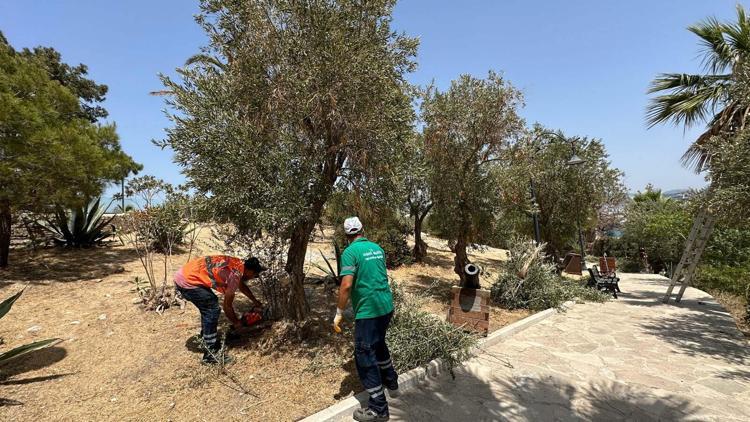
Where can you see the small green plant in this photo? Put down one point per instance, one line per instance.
(527, 281)
(142, 287)
(416, 337)
(27, 348)
(79, 227)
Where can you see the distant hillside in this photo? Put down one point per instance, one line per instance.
(679, 194)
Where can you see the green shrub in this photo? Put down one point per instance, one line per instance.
(628, 265)
(416, 337)
(527, 281)
(729, 246)
(730, 279)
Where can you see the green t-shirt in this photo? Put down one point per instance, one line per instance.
(371, 293)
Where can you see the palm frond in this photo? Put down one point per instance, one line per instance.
(718, 54)
(690, 99)
(682, 81)
(696, 158)
(737, 34)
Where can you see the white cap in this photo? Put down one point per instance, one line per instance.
(352, 225)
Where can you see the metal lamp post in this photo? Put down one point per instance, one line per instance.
(576, 161)
(535, 213)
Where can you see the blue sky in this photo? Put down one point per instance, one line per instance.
(583, 65)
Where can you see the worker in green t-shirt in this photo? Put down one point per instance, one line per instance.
(364, 277)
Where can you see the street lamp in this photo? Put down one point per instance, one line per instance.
(576, 161)
(535, 213)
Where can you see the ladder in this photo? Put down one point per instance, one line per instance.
(703, 225)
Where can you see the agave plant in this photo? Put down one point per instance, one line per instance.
(80, 227)
(328, 269)
(27, 348)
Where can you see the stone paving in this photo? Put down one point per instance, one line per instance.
(630, 359)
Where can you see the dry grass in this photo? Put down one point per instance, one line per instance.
(118, 362)
(737, 306)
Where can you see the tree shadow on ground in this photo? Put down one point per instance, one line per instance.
(535, 398)
(65, 264)
(436, 288)
(654, 299)
(736, 374)
(705, 329)
(438, 260)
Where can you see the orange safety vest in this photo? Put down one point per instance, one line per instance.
(212, 271)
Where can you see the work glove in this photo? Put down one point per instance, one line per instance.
(337, 320)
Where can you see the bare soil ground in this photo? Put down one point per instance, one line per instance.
(737, 306)
(119, 362)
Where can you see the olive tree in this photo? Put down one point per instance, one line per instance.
(418, 193)
(287, 98)
(564, 194)
(467, 127)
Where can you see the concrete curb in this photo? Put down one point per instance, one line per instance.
(435, 368)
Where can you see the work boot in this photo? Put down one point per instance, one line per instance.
(392, 387)
(369, 415)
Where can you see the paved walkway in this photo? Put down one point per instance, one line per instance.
(631, 359)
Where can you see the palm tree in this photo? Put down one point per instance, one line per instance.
(691, 99)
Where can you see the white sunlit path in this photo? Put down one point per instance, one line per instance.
(629, 359)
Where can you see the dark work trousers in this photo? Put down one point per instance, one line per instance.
(208, 305)
(373, 360)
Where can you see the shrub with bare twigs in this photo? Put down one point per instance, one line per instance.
(154, 233)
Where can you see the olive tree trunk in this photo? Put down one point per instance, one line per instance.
(420, 247)
(5, 223)
(461, 260)
(297, 307)
(296, 302)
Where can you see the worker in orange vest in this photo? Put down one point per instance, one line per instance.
(225, 274)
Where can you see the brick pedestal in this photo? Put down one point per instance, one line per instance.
(470, 310)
